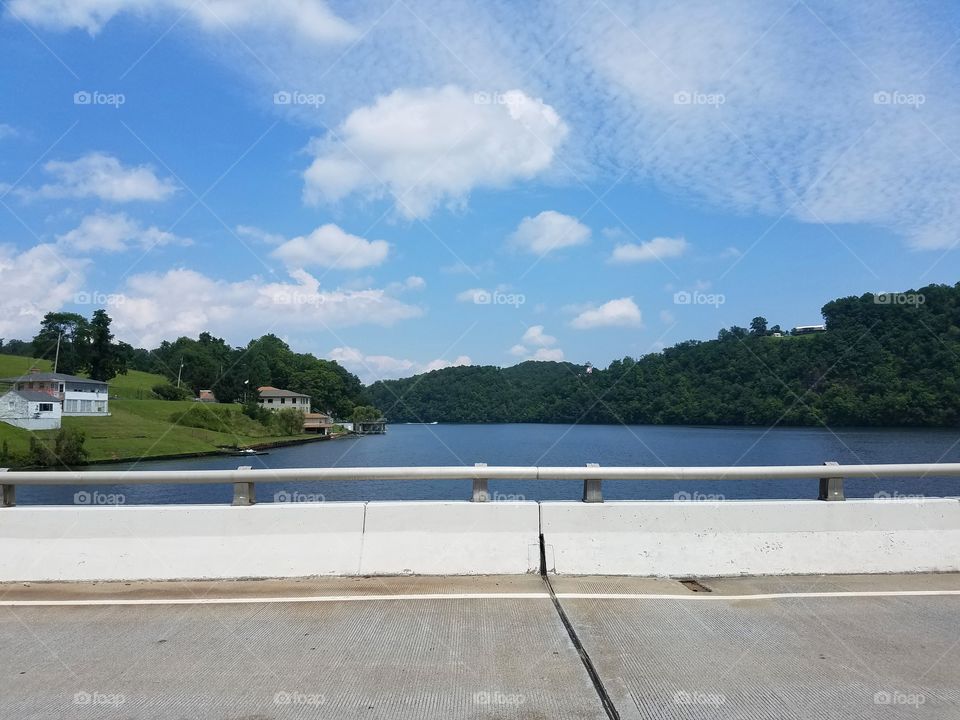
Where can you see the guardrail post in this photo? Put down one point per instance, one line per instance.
(480, 491)
(831, 488)
(592, 488)
(8, 493)
(244, 493)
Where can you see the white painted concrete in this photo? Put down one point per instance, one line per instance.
(451, 538)
(777, 537)
(179, 541)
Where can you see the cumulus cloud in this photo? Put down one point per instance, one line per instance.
(660, 248)
(311, 20)
(159, 306)
(102, 176)
(332, 247)
(35, 281)
(116, 232)
(426, 146)
(542, 344)
(370, 368)
(622, 312)
(549, 231)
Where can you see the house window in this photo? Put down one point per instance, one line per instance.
(86, 406)
(270, 401)
(45, 407)
(283, 401)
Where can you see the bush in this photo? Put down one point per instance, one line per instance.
(166, 391)
(288, 421)
(67, 449)
(218, 419)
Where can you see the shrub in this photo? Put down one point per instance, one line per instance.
(67, 449)
(166, 391)
(288, 421)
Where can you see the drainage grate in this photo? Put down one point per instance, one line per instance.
(693, 586)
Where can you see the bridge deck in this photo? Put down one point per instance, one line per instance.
(483, 647)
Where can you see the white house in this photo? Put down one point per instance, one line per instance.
(76, 395)
(30, 410)
(273, 398)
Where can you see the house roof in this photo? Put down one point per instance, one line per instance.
(268, 391)
(48, 376)
(35, 396)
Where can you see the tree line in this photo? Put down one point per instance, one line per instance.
(884, 360)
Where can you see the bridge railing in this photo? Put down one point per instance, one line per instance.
(830, 476)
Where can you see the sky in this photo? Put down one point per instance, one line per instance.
(407, 185)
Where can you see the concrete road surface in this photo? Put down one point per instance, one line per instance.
(484, 647)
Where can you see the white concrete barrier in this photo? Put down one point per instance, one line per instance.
(172, 542)
(775, 537)
(451, 538)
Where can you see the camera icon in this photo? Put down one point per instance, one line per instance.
(881, 98)
(482, 297)
(682, 98)
(82, 97)
(282, 97)
(481, 98)
(82, 498)
(282, 497)
(683, 496)
(82, 298)
(683, 297)
(82, 698)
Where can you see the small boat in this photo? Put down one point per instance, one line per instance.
(249, 452)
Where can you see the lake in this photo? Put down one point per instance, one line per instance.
(570, 445)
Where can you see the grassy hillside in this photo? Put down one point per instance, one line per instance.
(136, 427)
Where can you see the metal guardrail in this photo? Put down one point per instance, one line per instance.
(830, 476)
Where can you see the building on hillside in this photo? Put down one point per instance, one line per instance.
(319, 423)
(273, 398)
(77, 396)
(30, 410)
(207, 396)
(807, 329)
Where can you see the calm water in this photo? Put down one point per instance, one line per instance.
(562, 445)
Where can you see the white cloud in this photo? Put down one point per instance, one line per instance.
(330, 246)
(311, 20)
(35, 282)
(660, 248)
(473, 295)
(622, 312)
(549, 231)
(102, 176)
(370, 368)
(541, 342)
(262, 236)
(535, 336)
(115, 233)
(426, 146)
(159, 306)
(7, 131)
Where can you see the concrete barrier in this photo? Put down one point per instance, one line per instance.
(451, 538)
(777, 537)
(173, 542)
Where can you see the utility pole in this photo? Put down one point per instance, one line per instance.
(56, 359)
(179, 372)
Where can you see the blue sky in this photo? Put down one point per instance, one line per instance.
(404, 185)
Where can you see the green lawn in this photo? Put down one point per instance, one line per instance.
(136, 428)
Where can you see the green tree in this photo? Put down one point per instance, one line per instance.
(758, 326)
(73, 333)
(106, 359)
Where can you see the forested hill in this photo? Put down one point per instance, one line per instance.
(884, 360)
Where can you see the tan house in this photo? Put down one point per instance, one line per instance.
(273, 398)
(319, 423)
